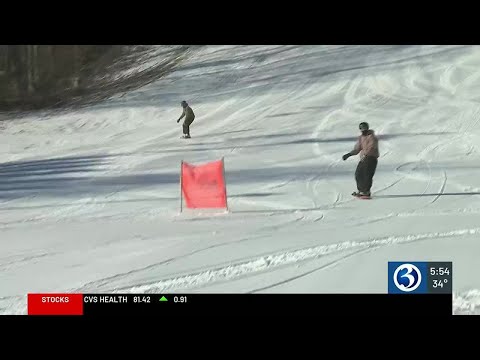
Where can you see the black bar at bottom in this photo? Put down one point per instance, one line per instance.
(268, 304)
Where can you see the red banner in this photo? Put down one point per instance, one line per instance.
(203, 186)
(55, 304)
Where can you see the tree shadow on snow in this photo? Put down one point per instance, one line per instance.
(222, 133)
(425, 195)
(355, 138)
(57, 175)
(77, 176)
(237, 142)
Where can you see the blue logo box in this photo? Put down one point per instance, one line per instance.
(407, 277)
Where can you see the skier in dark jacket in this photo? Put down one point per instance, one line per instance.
(189, 117)
(367, 146)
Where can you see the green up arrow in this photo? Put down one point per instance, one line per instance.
(163, 298)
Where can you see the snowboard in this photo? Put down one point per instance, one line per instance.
(364, 197)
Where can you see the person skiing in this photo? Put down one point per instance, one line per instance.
(189, 117)
(367, 146)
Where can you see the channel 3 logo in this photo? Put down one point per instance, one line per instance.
(407, 277)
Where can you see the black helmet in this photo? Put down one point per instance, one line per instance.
(184, 103)
(363, 126)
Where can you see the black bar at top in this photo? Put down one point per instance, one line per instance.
(269, 304)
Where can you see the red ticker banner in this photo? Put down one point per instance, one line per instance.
(55, 304)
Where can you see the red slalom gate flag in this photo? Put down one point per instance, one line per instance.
(203, 186)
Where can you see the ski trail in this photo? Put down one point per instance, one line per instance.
(270, 262)
(116, 277)
(442, 188)
(322, 267)
(287, 209)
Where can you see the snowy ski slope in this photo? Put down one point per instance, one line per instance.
(89, 200)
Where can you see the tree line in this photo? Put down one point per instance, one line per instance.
(33, 76)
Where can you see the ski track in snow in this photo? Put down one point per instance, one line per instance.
(268, 263)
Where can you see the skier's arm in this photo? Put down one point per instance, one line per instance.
(181, 117)
(355, 151)
(357, 148)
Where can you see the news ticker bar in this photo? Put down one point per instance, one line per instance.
(240, 304)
